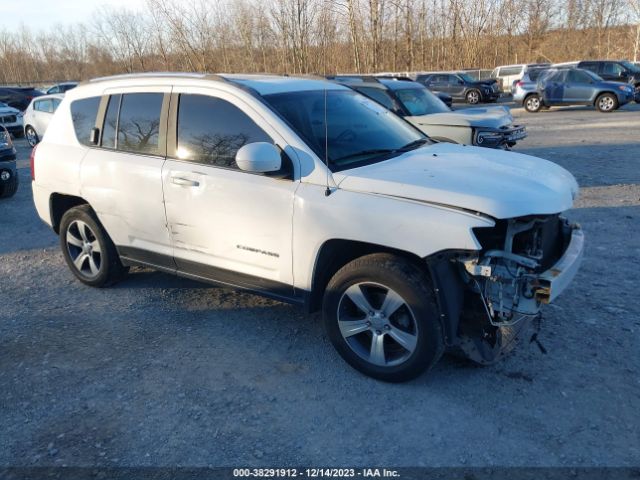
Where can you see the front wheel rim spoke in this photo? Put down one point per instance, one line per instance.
(73, 240)
(82, 229)
(79, 261)
(349, 328)
(92, 265)
(376, 354)
(95, 247)
(356, 295)
(392, 302)
(404, 339)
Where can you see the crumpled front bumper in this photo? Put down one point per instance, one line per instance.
(555, 280)
(499, 137)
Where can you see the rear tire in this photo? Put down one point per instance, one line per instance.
(606, 102)
(32, 136)
(9, 189)
(88, 249)
(381, 315)
(532, 103)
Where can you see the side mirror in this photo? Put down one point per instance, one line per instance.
(259, 157)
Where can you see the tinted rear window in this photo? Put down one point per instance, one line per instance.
(139, 122)
(83, 115)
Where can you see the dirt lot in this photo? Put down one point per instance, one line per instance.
(164, 371)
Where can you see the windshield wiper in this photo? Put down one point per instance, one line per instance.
(378, 151)
(413, 145)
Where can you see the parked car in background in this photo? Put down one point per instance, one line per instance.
(615, 70)
(8, 170)
(444, 98)
(460, 86)
(507, 74)
(483, 126)
(575, 86)
(11, 119)
(530, 76)
(61, 87)
(18, 97)
(38, 115)
(305, 191)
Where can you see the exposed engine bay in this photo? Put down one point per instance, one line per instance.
(514, 271)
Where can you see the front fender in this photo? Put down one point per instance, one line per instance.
(418, 228)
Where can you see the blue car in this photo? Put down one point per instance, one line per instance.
(575, 86)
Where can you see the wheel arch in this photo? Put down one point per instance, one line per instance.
(336, 253)
(603, 92)
(59, 204)
(447, 282)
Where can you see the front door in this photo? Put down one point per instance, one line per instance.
(226, 224)
(579, 87)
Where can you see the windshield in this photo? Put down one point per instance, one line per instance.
(359, 130)
(631, 66)
(420, 101)
(466, 77)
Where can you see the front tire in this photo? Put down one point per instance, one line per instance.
(88, 250)
(606, 103)
(473, 97)
(9, 187)
(32, 136)
(381, 316)
(532, 103)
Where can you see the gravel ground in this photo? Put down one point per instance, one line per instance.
(160, 371)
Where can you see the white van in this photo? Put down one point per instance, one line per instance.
(508, 74)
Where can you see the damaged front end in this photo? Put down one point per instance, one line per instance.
(523, 263)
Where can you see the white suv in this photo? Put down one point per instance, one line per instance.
(307, 192)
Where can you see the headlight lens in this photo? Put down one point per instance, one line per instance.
(5, 175)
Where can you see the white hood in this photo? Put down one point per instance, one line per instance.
(493, 117)
(494, 182)
(8, 110)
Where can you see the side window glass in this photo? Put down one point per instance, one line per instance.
(36, 106)
(612, 69)
(83, 116)
(111, 122)
(212, 130)
(379, 96)
(56, 103)
(139, 122)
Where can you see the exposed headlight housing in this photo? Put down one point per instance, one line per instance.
(488, 139)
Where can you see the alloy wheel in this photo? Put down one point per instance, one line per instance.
(533, 103)
(606, 103)
(377, 324)
(473, 97)
(84, 249)
(32, 137)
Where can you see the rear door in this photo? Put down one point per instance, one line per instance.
(553, 88)
(456, 86)
(121, 177)
(226, 224)
(439, 83)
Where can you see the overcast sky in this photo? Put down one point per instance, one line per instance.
(42, 14)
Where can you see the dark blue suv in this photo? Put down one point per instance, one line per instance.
(575, 86)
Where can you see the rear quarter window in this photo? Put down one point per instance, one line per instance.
(83, 116)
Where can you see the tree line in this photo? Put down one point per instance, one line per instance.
(321, 36)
